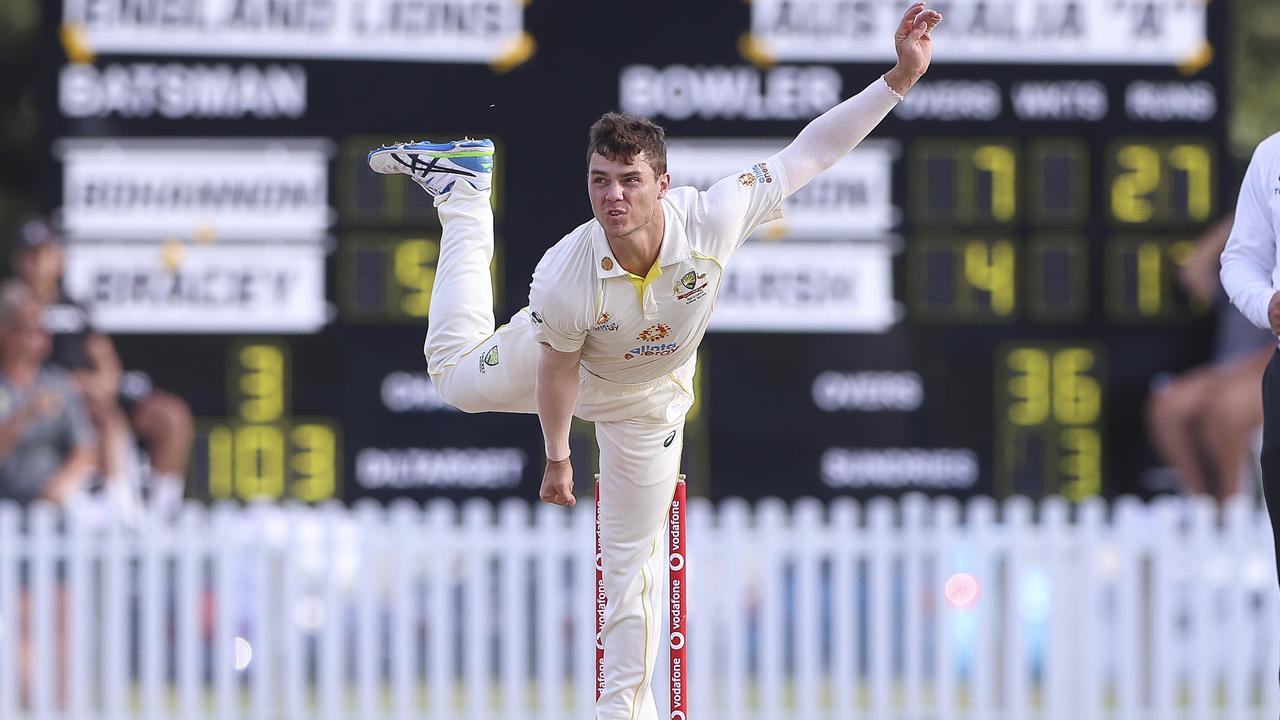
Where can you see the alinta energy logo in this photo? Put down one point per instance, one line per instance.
(651, 350)
(605, 323)
(489, 359)
(761, 173)
(654, 333)
(690, 287)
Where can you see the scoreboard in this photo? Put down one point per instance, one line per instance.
(976, 300)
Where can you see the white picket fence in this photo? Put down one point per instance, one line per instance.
(838, 612)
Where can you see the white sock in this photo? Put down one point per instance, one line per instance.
(122, 494)
(166, 493)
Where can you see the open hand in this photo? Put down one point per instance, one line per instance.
(912, 41)
(557, 483)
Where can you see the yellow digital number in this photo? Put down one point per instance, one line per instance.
(1077, 398)
(1081, 462)
(1150, 269)
(1196, 162)
(1029, 387)
(314, 461)
(259, 466)
(1131, 191)
(221, 479)
(1000, 162)
(991, 269)
(415, 270)
(262, 383)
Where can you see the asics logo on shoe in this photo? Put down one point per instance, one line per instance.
(419, 168)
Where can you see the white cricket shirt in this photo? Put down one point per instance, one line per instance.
(635, 330)
(1250, 274)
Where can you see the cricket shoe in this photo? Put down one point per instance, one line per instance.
(437, 166)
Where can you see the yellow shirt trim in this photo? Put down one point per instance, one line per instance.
(641, 283)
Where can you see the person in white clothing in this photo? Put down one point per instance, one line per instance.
(616, 311)
(1251, 277)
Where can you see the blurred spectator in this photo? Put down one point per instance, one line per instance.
(46, 441)
(1202, 421)
(117, 400)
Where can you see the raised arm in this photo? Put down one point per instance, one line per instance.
(833, 134)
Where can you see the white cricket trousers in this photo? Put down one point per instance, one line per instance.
(640, 430)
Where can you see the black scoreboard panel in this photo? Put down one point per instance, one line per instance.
(1028, 208)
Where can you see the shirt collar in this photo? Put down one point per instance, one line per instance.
(675, 245)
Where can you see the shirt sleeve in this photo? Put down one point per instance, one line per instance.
(558, 317)
(738, 204)
(1250, 255)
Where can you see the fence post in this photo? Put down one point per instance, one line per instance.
(1128, 527)
(154, 554)
(11, 549)
(44, 604)
(477, 606)
(983, 547)
(80, 590)
(1164, 590)
(439, 536)
(405, 518)
(774, 550)
(1205, 564)
(915, 508)
(743, 575)
(1096, 569)
(946, 519)
(113, 623)
(1063, 599)
(301, 614)
(226, 531)
(807, 607)
(188, 601)
(1238, 591)
(845, 551)
(879, 595)
(1017, 668)
(549, 569)
(374, 559)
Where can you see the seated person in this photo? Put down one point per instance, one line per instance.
(46, 441)
(1201, 422)
(118, 401)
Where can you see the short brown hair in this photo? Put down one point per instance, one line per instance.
(621, 137)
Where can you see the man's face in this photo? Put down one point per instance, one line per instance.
(624, 195)
(25, 337)
(41, 265)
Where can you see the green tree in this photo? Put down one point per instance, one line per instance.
(1255, 96)
(19, 32)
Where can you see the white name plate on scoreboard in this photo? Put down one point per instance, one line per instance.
(807, 287)
(180, 288)
(197, 188)
(1073, 32)
(852, 199)
(476, 31)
